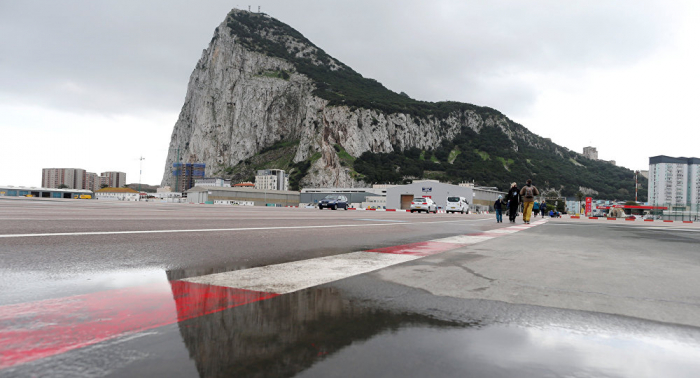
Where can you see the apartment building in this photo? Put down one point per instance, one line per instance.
(272, 179)
(674, 182)
(113, 179)
(73, 178)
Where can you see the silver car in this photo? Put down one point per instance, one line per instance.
(423, 204)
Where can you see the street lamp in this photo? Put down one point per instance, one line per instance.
(141, 159)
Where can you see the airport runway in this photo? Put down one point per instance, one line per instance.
(119, 289)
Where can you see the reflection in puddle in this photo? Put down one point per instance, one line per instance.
(501, 351)
(285, 335)
(318, 333)
(40, 285)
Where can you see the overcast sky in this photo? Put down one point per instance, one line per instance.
(97, 84)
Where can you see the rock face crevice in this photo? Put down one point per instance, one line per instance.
(240, 101)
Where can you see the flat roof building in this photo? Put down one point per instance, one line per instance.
(113, 179)
(674, 182)
(272, 179)
(25, 191)
(257, 197)
(72, 178)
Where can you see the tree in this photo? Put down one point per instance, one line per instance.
(103, 186)
(579, 196)
(63, 186)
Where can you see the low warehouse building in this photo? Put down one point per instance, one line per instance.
(479, 198)
(484, 198)
(257, 197)
(23, 191)
(400, 197)
(355, 196)
(117, 194)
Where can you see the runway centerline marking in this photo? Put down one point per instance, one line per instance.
(218, 229)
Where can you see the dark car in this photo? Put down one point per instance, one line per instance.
(333, 202)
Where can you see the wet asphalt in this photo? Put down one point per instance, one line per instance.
(578, 299)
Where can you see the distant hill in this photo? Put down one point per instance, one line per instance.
(264, 96)
(144, 187)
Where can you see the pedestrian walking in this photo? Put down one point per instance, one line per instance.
(543, 208)
(498, 206)
(536, 208)
(513, 202)
(527, 194)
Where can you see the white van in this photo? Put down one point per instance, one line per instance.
(457, 205)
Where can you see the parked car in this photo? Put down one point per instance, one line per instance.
(457, 205)
(333, 202)
(423, 204)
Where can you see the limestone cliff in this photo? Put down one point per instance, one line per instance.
(263, 96)
(240, 101)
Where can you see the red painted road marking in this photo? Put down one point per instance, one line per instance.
(592, 217)
(34, 330)
(418, 249)
(668, 221)
(648, 220)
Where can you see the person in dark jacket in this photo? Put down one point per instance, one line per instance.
(513, 202)
(498, 206)
(543, 208)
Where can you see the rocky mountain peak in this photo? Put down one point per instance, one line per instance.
(263, 96)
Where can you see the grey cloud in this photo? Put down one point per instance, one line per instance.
(131, 56)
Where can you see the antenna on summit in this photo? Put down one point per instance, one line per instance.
(258, 8)
(248, 8)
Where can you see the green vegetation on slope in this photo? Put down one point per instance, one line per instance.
(277, 156)
(341, 86)
(487, 157)
(545, 167)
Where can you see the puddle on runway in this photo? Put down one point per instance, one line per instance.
(318, 333)
(508, 351)
(27, 285)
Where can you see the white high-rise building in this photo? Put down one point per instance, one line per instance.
(272, 179)
(674, 182)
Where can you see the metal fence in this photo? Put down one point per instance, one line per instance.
(675, 212)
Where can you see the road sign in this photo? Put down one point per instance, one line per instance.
(589, 204)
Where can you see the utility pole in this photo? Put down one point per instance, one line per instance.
(141, 159)
(635, 185)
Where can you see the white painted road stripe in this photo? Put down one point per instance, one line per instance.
(293, 276)
(290, 277)
(465, 239)
(220, 229)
